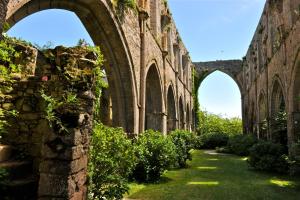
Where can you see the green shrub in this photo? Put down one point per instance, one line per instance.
(111, 161)
(294, 159)
(240, 144)
(268, 156)
(155, 153)
(184, 142)
(211, 123)
(213, 140)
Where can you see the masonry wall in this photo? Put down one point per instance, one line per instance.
(273, 56)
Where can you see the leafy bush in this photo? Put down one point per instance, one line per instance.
(268, 156)
(213, 140)
(111, 161)
(184, 142)
(211, 123)
(155, 153)
(240, 144)
(294, 159)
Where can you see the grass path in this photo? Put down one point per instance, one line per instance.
(218, 177)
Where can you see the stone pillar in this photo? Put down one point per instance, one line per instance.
(165, 95)
(143, 17)
(64, 153)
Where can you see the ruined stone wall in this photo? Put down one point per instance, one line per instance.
(272, 57)
(59, 155)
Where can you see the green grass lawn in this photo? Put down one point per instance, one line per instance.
(224, 177)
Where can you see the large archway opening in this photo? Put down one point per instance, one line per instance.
(171, 110)
(263, 126)
(86, 23)
(220, 94)
(153, 114)
(49, 155)
(278, 115)
(219, 97)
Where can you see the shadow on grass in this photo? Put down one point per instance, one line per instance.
(217, 177)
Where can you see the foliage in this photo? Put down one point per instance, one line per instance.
(196, 85)
(3, 175)
(82, 43)
(240, 144)
(68, 99)
(212, 140)
(8, 70)
(268, 156)
(294, 159)
(184, 142)
(122, 5)
(48, 45)
(100, 82)
(279, 129)
(111, 160)
(155, 153)
(210, 123)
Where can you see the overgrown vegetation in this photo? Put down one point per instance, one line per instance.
(112, 158)
(184, 142)
(212, 140)
(9, 73)
(240, 144)
(68, 99)
(211, 123)
(122, 5)
(268, 156)
(155, 154)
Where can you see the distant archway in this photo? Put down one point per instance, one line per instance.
(153, 114)
(171, 110)
(219, 93)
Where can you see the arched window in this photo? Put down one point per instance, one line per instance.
(171, 110)
(153, 114)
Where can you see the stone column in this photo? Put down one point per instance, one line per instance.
(165, 93)
(64, 153)
(143, 17)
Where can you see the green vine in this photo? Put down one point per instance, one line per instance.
(53, 104)
(8, 72)
(71, 77)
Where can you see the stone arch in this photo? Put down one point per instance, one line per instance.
(231, 68)
(278, 114)
(154, 102)
(104, 29)
(171, 110)
(262, 115)
(277, 97)
(181, 113)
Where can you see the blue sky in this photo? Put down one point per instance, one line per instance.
(210, 29)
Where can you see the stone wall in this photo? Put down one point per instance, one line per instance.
(272, 58)
(59, 155)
